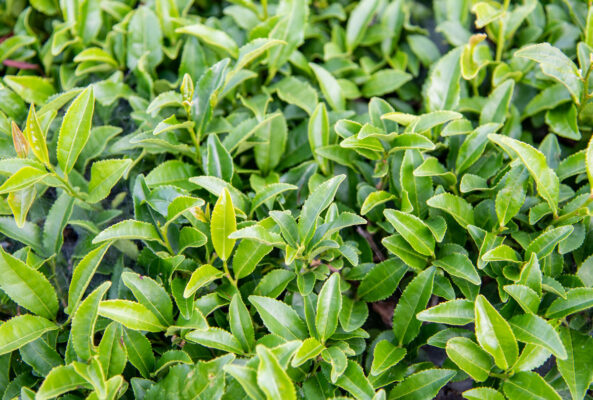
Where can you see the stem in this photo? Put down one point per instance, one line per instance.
(166, 241)
(264, 5)
(54, 276)
(228, 274)
(500, 40)
(500, 376)
(134, 163)
(586, 96)
(475, 86)
(573, 213)
(196, 141)
(71, 191)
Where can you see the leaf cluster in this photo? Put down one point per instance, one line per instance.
(294, 199)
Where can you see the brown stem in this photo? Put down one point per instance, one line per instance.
(369, 238)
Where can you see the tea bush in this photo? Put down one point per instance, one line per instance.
(293, 199)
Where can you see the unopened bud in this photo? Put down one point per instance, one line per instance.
(187, 88)
(20, 142)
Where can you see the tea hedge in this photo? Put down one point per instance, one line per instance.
(293, 199)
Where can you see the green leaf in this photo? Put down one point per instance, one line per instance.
(470, 357)
(528, 386)
(55, 223)
(289, 28)
(442, 89)
(271, 377)
(531, 275)
(330, 87)
(422, 385)
(23, 329)
(529, 328)
(247, 377)
(411, 141)
(385, 81)
(36, 137)
(280, 318)
(381, 281)
(216, 338)
(375, 199)
(562, 121)
(510, 198)
(41, 356)
(575, 367)
(497, 106)
(20, 202)
(526, 297)
(144, 39)
(413, 300)
(182, 204)
(456, 206)
(459, 265)
(329, 305)
(191, 237)
(32, 89)
(358, 23)
(317, 201)
(83, 323)
(169, 358)
(75, 129)
(241, 324)
(338, 361)
(222, 224)
(213, 37)
(12, 44)
(545, 243)
(413, 230)
(453, 312)
(294, 91)
(353, 314)
(319, 133)
(494, 334)
(131, 315)
(139, 351)
(473, 146)
(260, 232)
(172, 172)
(128, 229)
(398, 246)
(252, 50)
(385, 356)
(111, 350)
(150, 294)
(355, 382)
(27, 287)
(202, 276)
(60, 380)
(185, 305)
(248, 255)
(104, 175)
(535, 162)
(83, 273)
(576, 300)
(268, 193)
(483, 393)
(555, 64)
(309, 349)
(219, 161)
(589, 163)
(22, 179)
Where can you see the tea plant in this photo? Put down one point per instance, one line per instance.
(293, 199)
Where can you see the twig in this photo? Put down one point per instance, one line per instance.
(369, 238)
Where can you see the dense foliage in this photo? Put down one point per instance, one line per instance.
(292, 199)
